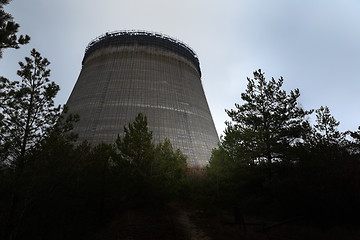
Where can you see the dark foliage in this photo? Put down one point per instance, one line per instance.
(27, 110)
(67, 191)
(8, 30)
(272, 163)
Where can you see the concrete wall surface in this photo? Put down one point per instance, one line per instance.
(118, 82)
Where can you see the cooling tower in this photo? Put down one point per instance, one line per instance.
(130, 72)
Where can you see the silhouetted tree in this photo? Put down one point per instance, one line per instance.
(169, 167)
(28, 115)
(8, 30)
(326, 127)
(136, 146)
(28, 109)
(269, 121)
(355, 144)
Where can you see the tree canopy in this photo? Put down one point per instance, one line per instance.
(28, 109)
(8, 30)
(268, 121)
(272, 160)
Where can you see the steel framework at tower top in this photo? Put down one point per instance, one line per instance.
(142, 38)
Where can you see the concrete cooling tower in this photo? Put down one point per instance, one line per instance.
(129, 72)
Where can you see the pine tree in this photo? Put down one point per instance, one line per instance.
(326, 127)
(136, 146)
(269, 121)
(8, 30)
(27, 109)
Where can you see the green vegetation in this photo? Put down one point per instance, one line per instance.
(54, 188)
(271, 162)
(71, 190)
(28, 109)
(8, 30)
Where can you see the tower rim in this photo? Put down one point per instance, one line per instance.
(142, 38)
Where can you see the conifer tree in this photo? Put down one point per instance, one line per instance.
(136, 146)
(8, 30)
(326, 127)
(266, 123)
(27, 109)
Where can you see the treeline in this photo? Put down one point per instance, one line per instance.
(67, 191)
(52, 187)
(272, 162)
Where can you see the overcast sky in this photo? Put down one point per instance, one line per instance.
(313, 44)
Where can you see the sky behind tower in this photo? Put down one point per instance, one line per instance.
(313, 44)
